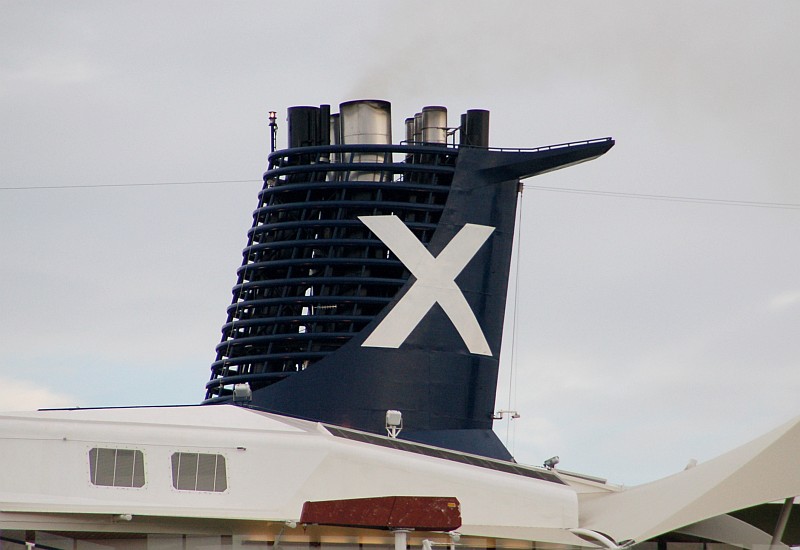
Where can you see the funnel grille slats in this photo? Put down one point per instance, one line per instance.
(312, 274)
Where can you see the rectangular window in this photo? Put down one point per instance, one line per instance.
(116, 467)
(199, 472)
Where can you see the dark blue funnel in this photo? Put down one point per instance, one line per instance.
(375, 279)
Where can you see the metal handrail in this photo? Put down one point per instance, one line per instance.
(405, 147)
(549, 147)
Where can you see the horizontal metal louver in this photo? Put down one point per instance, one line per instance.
(116, 467)
(199, 472)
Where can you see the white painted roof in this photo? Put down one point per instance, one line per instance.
(764, 470)
(274, 464)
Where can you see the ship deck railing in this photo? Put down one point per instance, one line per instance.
(412, 147)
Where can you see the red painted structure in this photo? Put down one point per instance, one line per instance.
(419, 513)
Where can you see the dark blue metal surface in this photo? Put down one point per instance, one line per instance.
(315, 282)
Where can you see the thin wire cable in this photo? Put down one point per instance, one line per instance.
(515, 316)
(514, 354)
(99, 185)
(670, 198)
(617, 194)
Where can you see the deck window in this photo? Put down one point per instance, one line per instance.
(116, 467)
(199, 472)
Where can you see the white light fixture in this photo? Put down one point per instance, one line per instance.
(242, 393)
(394, 422)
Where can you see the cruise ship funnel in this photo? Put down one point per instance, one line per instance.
(375, 277)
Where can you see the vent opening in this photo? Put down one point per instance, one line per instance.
(199, 472)
(116, 467)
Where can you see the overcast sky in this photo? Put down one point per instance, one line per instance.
(649, 331)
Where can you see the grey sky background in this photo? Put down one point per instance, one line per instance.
(649, 332)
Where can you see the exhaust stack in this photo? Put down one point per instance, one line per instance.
(308, 126)
(475, 128)
(366, 121)
(434, 125)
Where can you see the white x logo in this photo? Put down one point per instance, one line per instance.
(435, 283)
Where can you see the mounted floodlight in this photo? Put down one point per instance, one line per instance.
(242, 393)
(501, 413)
(551, 462)
(394, 422)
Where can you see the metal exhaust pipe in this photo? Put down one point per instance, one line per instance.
(475, 128)
(434, 125)
(366, 122)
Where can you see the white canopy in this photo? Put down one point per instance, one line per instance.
(764, 470)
